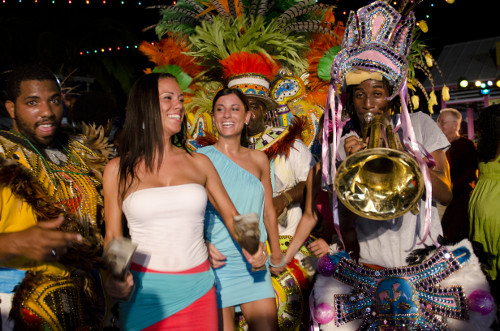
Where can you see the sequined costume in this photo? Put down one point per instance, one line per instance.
(37, 185)
(384, 290)
(439, 292)
(404, 279)
(291, 161)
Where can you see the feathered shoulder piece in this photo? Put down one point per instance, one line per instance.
(283, 145)
(82, 255)
(207, 139)
(94, 138)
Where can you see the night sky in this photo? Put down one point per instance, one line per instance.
(55, 34)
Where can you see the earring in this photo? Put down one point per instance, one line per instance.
(143, 126)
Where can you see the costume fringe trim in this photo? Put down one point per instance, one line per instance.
(96, 140)
(282, 147)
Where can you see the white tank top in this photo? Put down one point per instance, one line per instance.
(167, 225)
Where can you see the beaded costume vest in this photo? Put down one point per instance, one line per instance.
(69, 182)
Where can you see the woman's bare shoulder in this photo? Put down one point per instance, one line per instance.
(257, 155)
(200, 158)
(112, 166)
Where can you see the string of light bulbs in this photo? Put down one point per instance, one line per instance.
(108, 49)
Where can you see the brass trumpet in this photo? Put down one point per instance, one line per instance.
(380, 182)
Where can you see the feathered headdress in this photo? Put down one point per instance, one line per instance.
(222, 31)
(219, 28)
(169, 55)
(377, 41)
(322, 50)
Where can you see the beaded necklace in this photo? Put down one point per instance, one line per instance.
(52, 171)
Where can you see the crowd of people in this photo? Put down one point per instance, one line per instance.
(322, 257)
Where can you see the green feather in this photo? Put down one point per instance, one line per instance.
(325, 63)
(183, 79)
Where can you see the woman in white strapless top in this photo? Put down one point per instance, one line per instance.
(162, 189)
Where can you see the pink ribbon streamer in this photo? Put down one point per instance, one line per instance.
(331, 104)
(411, 144)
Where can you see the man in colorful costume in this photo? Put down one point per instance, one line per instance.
(51, 210)
(405, 279)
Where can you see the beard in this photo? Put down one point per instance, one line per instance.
(30, 133)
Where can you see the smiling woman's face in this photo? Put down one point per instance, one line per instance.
(171, 105)
(230, 115)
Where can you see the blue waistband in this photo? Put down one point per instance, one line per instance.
(158, 296)
(10, 278)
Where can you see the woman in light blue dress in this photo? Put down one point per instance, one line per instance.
(245, 174)
(162, 189)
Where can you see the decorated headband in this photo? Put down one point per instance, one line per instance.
(377, 40)
(251, 74)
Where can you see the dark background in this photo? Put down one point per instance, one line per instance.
(56, 33)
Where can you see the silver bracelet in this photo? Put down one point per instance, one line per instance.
(282, 263)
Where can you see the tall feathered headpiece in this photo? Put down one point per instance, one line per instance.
(219, 28)
(219, 31)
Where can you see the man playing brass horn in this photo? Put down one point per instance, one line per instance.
(371, 96)
(391, 273)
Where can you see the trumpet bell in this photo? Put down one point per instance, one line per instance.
(379, 183)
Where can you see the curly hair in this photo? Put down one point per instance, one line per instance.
(488, 129)
(24, 73)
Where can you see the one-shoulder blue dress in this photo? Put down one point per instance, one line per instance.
(235, 283)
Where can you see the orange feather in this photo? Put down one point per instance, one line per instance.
(245, 63)
(170, 51)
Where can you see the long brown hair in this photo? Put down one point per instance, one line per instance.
(143, 132)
